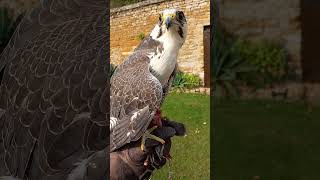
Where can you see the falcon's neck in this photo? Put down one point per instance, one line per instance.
(163, 63)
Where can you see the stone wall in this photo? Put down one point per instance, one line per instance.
(129, 21)
(277, 20)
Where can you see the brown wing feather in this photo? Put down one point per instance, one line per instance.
(135, 95)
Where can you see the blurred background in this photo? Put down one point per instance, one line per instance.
(265, 74)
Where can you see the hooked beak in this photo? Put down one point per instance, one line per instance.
(168, 22)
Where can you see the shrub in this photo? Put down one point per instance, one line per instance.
(268, 58)
(226, 68)
(141, 36)
(186, 81)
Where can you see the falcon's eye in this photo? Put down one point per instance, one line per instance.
(180, 15)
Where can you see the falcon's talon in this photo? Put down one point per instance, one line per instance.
(157, 139)
(148, 134)
(151, 129)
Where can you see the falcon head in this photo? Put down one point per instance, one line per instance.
(172, 24)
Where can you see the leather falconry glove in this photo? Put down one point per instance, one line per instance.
(131, 163)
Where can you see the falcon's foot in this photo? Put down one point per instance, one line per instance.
(157, 119)
(147, 135)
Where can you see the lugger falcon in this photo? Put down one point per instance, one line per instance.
(140, 84)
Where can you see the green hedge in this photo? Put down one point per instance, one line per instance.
(186, 81)
(237, 60)
(267, 57)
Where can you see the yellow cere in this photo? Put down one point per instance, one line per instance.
(169, 15)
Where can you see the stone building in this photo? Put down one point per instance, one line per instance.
(293, 24)
(130, 22)
(276, 20)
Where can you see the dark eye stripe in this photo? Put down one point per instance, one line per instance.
(180, 15)
(160, 32)
(181, 18)
(180, 32)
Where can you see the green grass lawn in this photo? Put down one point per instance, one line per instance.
(191, 153)
(253, 139)
(265, 140)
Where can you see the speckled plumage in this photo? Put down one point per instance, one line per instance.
(134, 90)
(54, 91)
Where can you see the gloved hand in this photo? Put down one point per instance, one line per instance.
(131, 163)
